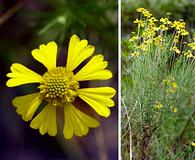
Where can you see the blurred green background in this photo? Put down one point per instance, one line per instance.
(24, 25)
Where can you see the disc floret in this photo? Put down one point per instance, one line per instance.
(59, 86)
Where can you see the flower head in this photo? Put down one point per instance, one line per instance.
(175, 49)
(140, 23)
(60, 86)
(145, 12)
(193, 144)
(165, 21)
(192, 45)
(158, 105)
(173, 109)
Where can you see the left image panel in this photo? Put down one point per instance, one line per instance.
(59, 80)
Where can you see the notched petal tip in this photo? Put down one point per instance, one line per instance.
(90, 47)
(53, 43)
(46, 54)
(78, 51)
(99, 56)
(27, 105)
(74, 36)
(98, 98)
(45, 121)
(77, 122)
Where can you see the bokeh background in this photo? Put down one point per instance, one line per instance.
(24, 25)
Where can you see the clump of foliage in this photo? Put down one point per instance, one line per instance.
(74, 16)
(158, 88)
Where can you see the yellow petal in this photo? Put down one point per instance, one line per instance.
(76, 122)
(68, 128)
(46, 54)
(27, 105)
(22, 75)
(98, 98)
(78, 51)
(45, 121)
(87, 120)
(94, 70)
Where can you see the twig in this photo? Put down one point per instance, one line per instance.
(10, 12)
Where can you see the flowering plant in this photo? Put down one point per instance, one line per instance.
(158, 81)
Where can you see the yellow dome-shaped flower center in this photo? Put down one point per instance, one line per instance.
(59, 86)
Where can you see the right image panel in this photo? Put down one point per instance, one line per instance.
(158, 80)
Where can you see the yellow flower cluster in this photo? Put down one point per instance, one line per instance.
(165, 21)
(189, 54)
(158, 40)
(178, 25)
(139, 22)
(153, 32)
(192, 45)
(158, 105)
(145, 12)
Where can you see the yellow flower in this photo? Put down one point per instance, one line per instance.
(158, 40)
(192, 45)
(188, 54)
(133, 38)
(175, 49)
(140, 23)
(141, 10)
(174, 85)
(176, 39)
(165, 21)
(158, 105)
(143, 47)
(162, 27)
(135, 54)
(144, 12)
(173, 109)
(193, 144)
(149, 32)
(60, 86)
(152, 21)
(166, 81)
(183, 32)
(178, 25)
